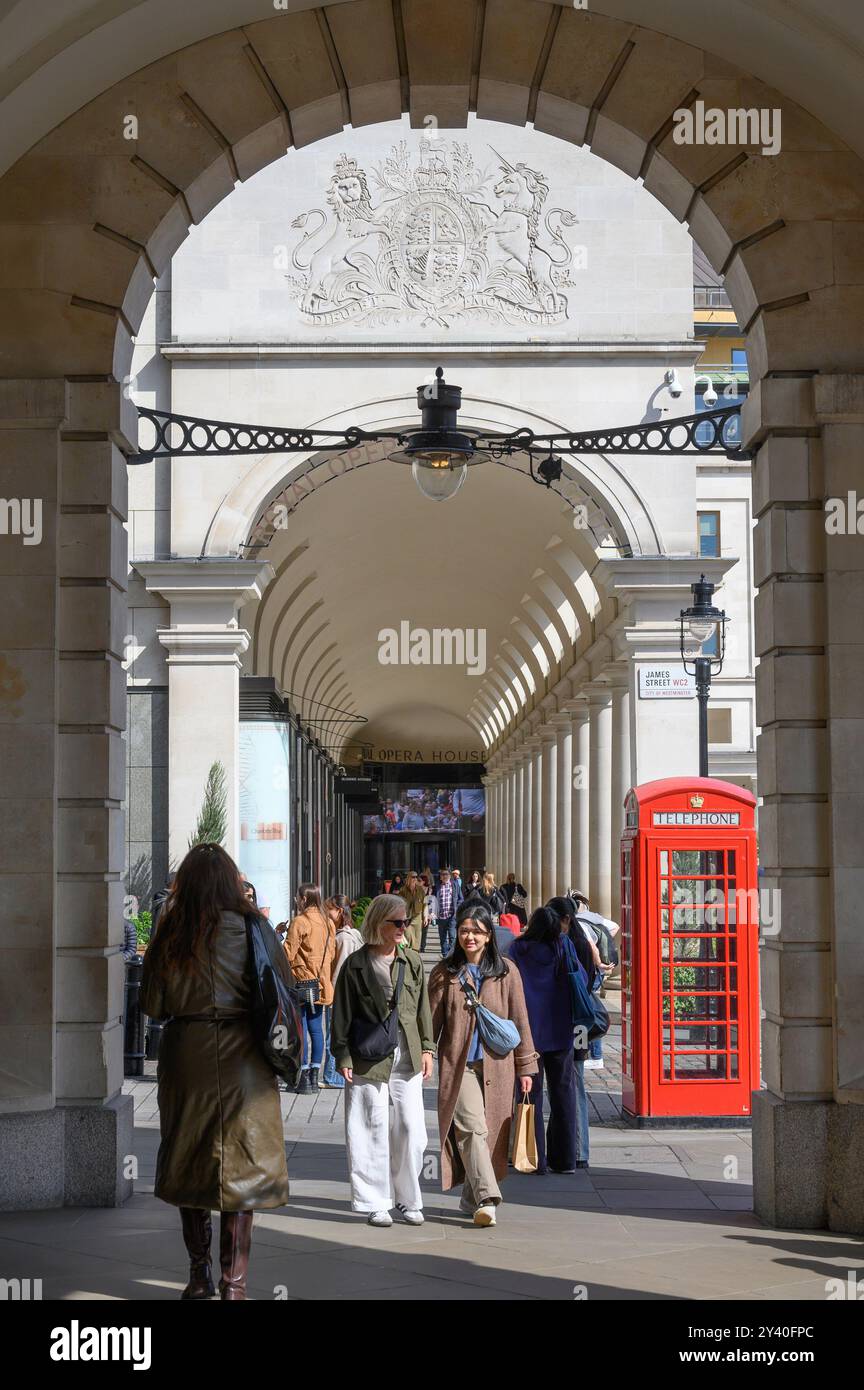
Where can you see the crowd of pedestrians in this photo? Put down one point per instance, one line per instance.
(503, 1014)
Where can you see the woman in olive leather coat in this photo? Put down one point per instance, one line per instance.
(222, 1143)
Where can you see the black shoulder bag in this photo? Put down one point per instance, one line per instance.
(276, 1024)
(373, 1041)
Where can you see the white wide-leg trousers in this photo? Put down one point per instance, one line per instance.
(385, 1132)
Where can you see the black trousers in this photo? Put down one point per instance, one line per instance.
(556, 1147)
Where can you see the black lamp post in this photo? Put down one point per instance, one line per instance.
(703, 625)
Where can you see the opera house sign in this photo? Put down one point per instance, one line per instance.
(439, 241)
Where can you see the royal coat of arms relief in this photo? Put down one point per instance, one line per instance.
(445, 242)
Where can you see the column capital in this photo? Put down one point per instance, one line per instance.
(547, 733)
(204, 646)
(661, 581)
(598, 692)
(205, 591)
(561, 720)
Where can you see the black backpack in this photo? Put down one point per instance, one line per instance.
(276, 1023)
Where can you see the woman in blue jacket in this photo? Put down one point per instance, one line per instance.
(539, 956)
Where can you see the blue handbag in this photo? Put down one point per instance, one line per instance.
(587, 1010)
(498, 1035)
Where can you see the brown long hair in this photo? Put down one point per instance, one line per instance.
(308, 895)
(339, 903)
(208, 883)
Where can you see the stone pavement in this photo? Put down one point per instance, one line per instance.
(662, 1215)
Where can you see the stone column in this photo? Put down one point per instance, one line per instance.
(65, 1128)
(204, 646)
(621, 770)
(600, 785)
(580, 818)
(549, 797)
(537, 827)
(563, 799)
(518, 864)
(808, 1125)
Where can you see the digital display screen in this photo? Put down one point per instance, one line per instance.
(428, 810)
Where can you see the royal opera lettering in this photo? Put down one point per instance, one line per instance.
(417, 755)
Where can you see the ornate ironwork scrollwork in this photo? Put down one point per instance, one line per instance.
(180, 436)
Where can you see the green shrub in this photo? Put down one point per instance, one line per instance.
(143, 927)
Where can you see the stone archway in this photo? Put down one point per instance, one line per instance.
(88, 218)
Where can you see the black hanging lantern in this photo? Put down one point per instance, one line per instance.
(439, 452)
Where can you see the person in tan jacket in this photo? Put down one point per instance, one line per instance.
(310, 945)
(476, 1087)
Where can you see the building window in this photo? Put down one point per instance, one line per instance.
(739, 358)
(709, 534)
(719, 725)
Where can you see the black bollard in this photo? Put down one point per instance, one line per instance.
(133, 1024)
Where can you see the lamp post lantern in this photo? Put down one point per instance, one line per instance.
(703, 647)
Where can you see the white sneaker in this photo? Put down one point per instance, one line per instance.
(414, 1218)
(593, 1064)
(380, 1218)
(485, 1214)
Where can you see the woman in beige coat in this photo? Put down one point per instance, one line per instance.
(222, 1147)
(475, 1087)
(310, 945)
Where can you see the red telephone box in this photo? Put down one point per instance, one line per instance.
(689, 951)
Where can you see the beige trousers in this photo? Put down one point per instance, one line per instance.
(469, 1125)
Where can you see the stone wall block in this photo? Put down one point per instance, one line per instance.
(92, 692)
(795, 909)
(793, 260)
(789, 614)
(618, 145)
(794, 834)
(90, 988)
(92, 543)
(89, 1061)
(783, 471)
(375, 101)
(93, 618)
(90, 912)
(262, 146)
(213, 184)
(92, 767)
(670, 187)
(93, 474)
(101, 407)
(790, 687)
(844, 602)
(90, 839)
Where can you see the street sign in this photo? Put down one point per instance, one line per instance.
(670, 682)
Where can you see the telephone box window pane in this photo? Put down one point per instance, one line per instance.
(733, 1066)
(667, 1067)
(664, 948)
(664, 861)
(695, 1037)
(664, 919)
(688, 1066)
(664, 890)
(697, 861)
(700, 948)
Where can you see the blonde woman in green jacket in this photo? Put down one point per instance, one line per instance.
(385, 1123)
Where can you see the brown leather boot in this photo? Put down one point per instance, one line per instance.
(197, 1233)
(235, 1241)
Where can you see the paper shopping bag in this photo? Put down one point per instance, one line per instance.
(525, 1139)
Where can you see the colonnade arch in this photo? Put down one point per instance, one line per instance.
(89, 221)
